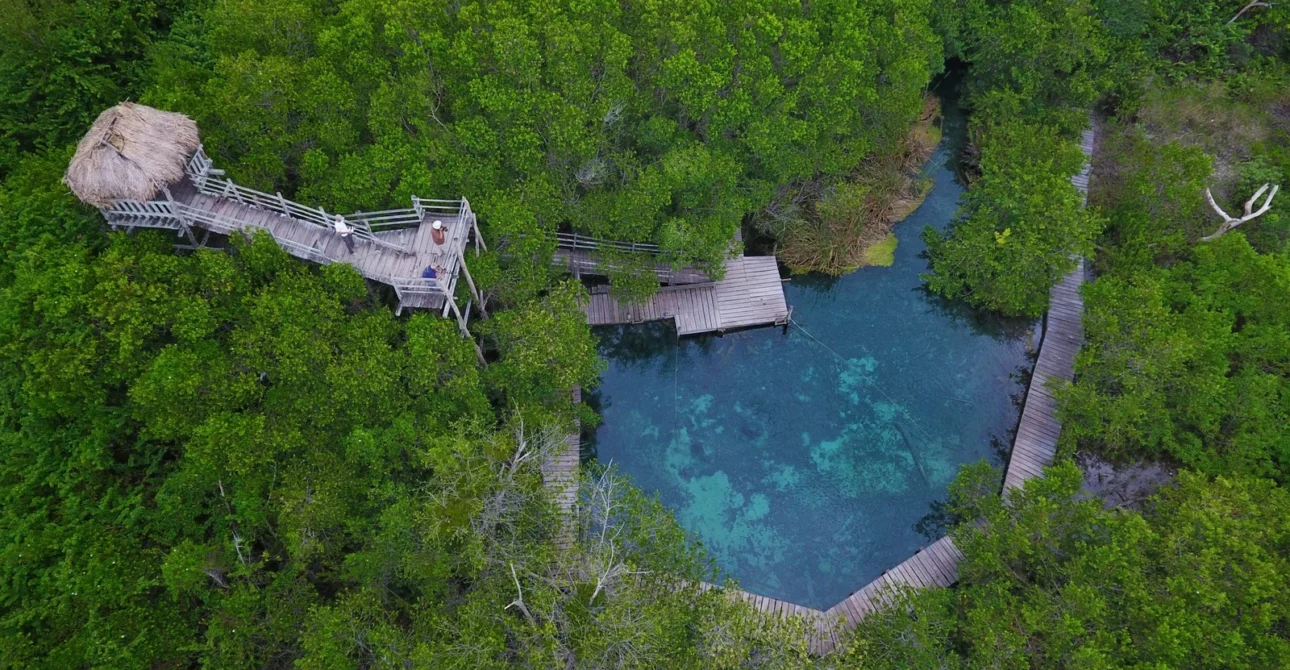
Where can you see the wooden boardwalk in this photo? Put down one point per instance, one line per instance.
(560, 475)
(582, 262)
(751, 294)
(392, 247)
(325, 246)
(1037, 433)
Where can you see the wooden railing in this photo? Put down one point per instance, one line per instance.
(210, 182)
(175, 215)
(590, 265)
(576, 242)
(584, 243)
(389, 219)
(156, 211)
(200, 167)
(430, 208)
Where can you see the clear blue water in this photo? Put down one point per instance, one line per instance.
(809, 462)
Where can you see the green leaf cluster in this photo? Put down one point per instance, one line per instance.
(1052, 579)
(1022, 225)
(196, 448)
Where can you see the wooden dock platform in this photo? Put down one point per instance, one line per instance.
(751, 294)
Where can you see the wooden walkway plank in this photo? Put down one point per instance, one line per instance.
(750, 295)
(560, 476)
(315, 242)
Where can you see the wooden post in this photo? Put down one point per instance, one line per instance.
(183, 221)
(469, 281)
(474, 222)
(461, 322)
(282, 202)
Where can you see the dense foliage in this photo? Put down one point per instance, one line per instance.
(1036, 66)
(1186, 353)
(1190, 362)
(64, 61)
(1047, 62)
(1022, 226)
(651, 122)
(1036, 60)
(233, 459)
(1198, 579)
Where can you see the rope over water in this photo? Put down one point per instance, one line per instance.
(913, 450)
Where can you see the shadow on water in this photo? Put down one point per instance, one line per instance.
(988, 324)
(637, 345)
(809, 462)
(950, 87)
(817, 283)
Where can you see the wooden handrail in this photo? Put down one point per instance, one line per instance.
(227, 188)
(583, 242)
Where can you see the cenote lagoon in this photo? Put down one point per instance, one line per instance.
(807, 462)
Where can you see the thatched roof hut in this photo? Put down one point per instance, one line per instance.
(130, 153)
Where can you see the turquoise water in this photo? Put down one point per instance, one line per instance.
(809, 462)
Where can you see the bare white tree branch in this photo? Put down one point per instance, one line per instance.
(519, 599)
(1230, 222)
(237, 540)
(1247, 8)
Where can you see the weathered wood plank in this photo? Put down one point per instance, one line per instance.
(729, 303)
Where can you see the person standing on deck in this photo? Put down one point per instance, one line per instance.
(345, 231)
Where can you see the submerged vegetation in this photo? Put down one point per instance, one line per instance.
(232, 459)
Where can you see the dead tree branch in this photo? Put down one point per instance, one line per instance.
(519, 599)
(1247, 8)
(1230, 222)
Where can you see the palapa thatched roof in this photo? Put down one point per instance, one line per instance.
(130, 153)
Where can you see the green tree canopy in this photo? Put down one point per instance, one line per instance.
(654, 122)
(1052, 579)
(1042, 61)
(1022, 225)
(1189, 363)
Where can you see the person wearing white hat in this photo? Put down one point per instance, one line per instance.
(437, 232)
